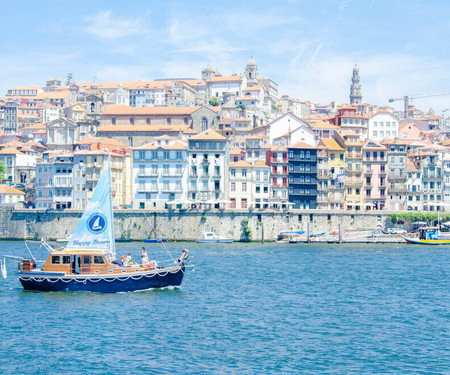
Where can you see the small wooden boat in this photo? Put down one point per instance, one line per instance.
(429, 236)
(87, 262)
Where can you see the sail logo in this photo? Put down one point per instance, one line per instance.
(96, 223)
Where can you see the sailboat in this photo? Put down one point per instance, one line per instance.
(87, 262)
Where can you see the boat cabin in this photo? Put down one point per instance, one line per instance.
(76, 263)
(429, 233)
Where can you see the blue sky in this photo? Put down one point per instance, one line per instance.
(308, 47)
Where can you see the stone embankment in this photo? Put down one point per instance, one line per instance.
(189, 225)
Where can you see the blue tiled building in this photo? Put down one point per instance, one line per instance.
(302, 159)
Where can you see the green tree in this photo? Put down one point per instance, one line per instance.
(246, 231)
(2, 171)
(274, 107)
(214, 101)
(241, 106)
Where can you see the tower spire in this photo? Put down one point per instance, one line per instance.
(355, 87)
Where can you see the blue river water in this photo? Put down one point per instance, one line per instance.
(243, 309)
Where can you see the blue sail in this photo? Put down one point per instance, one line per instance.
(95, 230)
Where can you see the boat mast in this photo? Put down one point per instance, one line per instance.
(111, 219)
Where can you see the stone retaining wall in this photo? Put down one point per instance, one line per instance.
(188, 225)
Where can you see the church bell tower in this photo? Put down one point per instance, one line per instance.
(355, 88)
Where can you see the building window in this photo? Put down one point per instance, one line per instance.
(244, 186)
(243, 203)
(113, 121)
(204, 124)
(148, 120)
(131, 120)
(233, 186)
(169, 121)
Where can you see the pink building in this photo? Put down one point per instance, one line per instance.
(374, 158)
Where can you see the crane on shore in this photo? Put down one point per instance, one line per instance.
(406, 99)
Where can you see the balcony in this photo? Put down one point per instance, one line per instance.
(368, 172)
(353, 182)
(394, 177)
(92, 177)
(193, 174)
(397, 189)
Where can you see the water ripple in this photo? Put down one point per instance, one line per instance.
(246, 309)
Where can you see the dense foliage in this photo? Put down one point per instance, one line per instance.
(214, 101)
(419, 216)
(2, 171)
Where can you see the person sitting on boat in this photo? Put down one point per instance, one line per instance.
(130, 261)
(183, 257)
(124, 261)
(144, 256)
(145, 262)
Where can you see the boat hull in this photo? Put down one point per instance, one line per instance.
(227, 240)
(102, 284)
(426, 242)
(155, 240)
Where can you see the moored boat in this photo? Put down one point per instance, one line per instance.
(210, 237)
(429, 236)
(88, 262)
(155, 240)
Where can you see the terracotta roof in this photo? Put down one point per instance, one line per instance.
(52, 95)
(240, 164)
(178, 145)
(6, 189)
(257, 137)
(323, 125)
(226, 78)
(301, 145)
(208, 134)
(411, 166)
(396, 141)
(39, 125)
(254, 88)
(190, 131)
(9, 151)
(261, 164)
(34, 144)
(331, 144)
(92, 152)
(242, 119)
(120, 109)
(237, 151)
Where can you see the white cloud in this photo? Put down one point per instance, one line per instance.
(105, 26)
(383, 76)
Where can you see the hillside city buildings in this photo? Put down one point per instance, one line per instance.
(218, 142)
